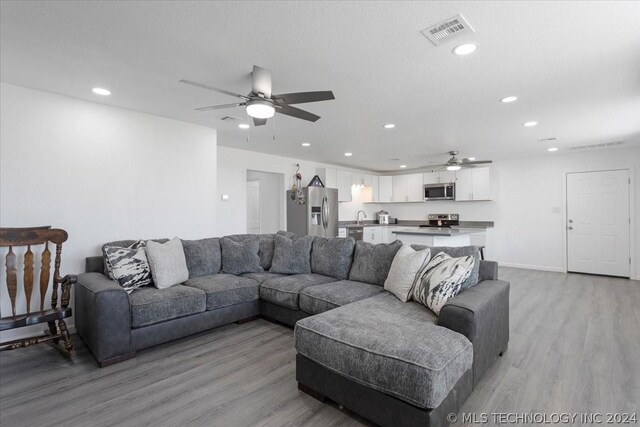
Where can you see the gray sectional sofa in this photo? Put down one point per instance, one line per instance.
(394, 363)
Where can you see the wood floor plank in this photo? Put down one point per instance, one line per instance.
(574, 347)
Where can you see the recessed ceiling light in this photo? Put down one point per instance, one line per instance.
(389, 126)
(509, 99)
(465, 49)
(530, 124)
(403, 166)
(552, 149)
(101, 91)
(306, 144)
(471, 158)
(348, 154)
(243, 126)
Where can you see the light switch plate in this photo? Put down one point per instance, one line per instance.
(225, 197)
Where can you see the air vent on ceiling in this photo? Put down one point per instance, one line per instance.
(230, 118)
(547, 139)
(448, 30)
(602, 145)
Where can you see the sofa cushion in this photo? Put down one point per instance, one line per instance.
(393, 347)
(321, 298)
(224, 290)
(285, 290)
(462, 251)
(167, 262)
(266, 246)
(332, 257)
(240, 256)
(292, 255)
(203, 256)
(371, 263)
(151, 305)
(261, 277)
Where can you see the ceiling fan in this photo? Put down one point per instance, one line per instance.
(261, 104)
(454, 164)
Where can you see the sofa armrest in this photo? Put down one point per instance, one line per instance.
(488, 270)
(102, 316)
(480, 313)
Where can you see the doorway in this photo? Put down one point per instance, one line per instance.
(599, 223)
(265, 202)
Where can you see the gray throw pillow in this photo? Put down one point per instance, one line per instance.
(203, 256)
(267, 246)
(292, 256)
(371, 263)
(167, 262)
(240, 257)
(332, 257)
(462, 251)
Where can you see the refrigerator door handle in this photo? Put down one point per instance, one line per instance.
(325, 212)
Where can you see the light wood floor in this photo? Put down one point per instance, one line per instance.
(574, 347)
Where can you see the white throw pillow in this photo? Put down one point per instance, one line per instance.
(168, 263)
(407, 267)
(442, 280)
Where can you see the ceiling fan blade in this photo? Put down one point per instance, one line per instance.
(467, 165)
(297, 113)
(215, 89)
(302, 97)
(261, 81)
(219, 107)
(477, 162)
(259, 122)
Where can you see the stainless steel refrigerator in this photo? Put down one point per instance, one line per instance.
(318, 216)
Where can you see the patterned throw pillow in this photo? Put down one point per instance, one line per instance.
(442, 280)
(128, 266)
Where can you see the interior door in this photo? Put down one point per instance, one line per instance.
(598, 222)
(253, 207)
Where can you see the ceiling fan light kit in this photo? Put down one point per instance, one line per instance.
(260, 109)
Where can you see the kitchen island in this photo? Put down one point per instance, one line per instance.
(435, 236)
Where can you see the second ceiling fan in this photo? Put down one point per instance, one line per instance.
(261, 104)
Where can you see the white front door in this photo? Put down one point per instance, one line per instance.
(253, 207)
(598, 222)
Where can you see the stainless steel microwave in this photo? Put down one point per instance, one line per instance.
(444, 191)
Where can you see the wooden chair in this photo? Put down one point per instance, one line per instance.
(35, 236)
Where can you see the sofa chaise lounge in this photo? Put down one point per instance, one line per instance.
(394, 363)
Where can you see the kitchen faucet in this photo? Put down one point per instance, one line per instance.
(358, 221)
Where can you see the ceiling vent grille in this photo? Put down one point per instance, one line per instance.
(445, 31)
(602, 145)
(230, 118)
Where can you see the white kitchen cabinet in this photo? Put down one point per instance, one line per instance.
(407, 188)
(385, 189)
(373, 181)
(328, 176)
(345, 181)
(388, 235)
(473, 184)
(439, 177)
(372, 234)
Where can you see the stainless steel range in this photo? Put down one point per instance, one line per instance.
(442, 220)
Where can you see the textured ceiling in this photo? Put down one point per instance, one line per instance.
(575, 67)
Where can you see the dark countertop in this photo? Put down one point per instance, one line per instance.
(416, 223)
(435, 231)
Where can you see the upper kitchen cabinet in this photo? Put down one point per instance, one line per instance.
(439, 177)
(407, 188)
(473, 184)
(345, 180)
(328, 176)
(385, 189)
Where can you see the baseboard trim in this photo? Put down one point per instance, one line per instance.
(531, 267)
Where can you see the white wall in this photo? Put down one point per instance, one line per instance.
(271, 200)
(529, 206)
(232, 171)
(101, 173)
